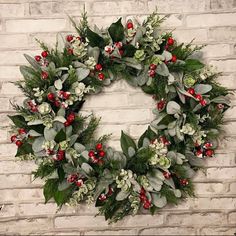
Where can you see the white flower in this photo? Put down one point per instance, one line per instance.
(198, 137)
(44, 108)
(38, 94)
(90, 63)
(187, 129)
(49, 145)
(79, 90)
(79, 48)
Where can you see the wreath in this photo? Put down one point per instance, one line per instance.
(76, 165)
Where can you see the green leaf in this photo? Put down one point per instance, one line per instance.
(37, 144)
(149, 133)
(82, 73)
(26, 148)
(126, 142)
(122, 195)
(49, 134)
(62, 197)
(49, 189)
(158, 200)
(61, 136)
(58, 84)
(193, 64)
(116, 31)
(32, 62)
(27, 72)
(87, 168)
(95, 40)
(162, 69)
(129, 50)
(19, 121)
(202, 88)
(63, 185)
(173, 108)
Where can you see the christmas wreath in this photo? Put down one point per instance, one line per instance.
(76, 165)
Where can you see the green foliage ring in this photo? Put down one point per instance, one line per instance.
(78, 167)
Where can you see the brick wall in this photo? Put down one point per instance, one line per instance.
(213, 211)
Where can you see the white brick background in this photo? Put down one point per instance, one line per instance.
(212, 212)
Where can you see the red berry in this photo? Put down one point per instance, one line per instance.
(34, 108)
(66, 123)
(119, 45)
(110, 191)
(101, 153)
(147, 204)
(57, 103)
(161, 105)
(203, 102)
(18, 143)
(95, 160)
(44, 75)
(174, 58)
(98, 67)
(198, 153)
(51, 96)
(184, 182)
(152, 73)
(13, 138)
(99, 146)
(72, 178)
(170, 41)
(70, 51)
(44, 54)
(166, 174)
(142, 191)
(153, 67)
(91, 153)
(143, 198)
(101, 76)
(209, 153)
(69, 37)
(79, 182)
(102, 197)
(208, 145)
(121, 52)
(198, 97)
(71, 117)
(191, 91)
(66, 95)
(50, 152)
(37, 58)
(130, 25)
(60, 155)
(22, 131)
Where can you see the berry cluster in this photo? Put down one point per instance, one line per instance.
(198, 97)
(70, 119)
(146, 202)
(18, 138)
(43, 62)
(204, 150)
(74, 178)
(104, 196)
(97, 155)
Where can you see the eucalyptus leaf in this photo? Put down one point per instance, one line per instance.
(63, 185)
(79, 147)
(158, 200)
(34, 133)
(122, 195)
(73, 139)
(162, 69)
(131, 151)
(49, 134)
(221, 99)
(172, 108)
(177, 193)
(37, 144)
(61, 112)
(87, 168)
(202, 88)
(82, 73)
(58, 84)
(35, 122)
(60, 119)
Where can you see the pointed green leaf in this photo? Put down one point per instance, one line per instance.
(116, 31)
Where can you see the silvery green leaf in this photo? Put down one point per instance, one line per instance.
(135, 185)
(79, 147)
(193, 160)
(93, 52)
(32, 62)
(158, 120)
(82, 73)
(177, 193)
(37, 144)
(131, 151)
(131, 62)
(173, 108)
(33, 133)
(172, 125)
(197, 107)
(53, 175)
(162, 69)
(101, 186)
(79, 64)
(139, 34)
(149, 82)
(189, 171)
(61, 112)
(109, 152)
(63, 185)
(182, 91)
(171, 79)
(158, 200)
(107, 82)
(170, 183)
(60, 42)
(122, 195)
(171, 155)
(146, 142)
(35, 122)
(49, 134)
(52, 66)
(202, 88)
(160, 127)
(87, 168)
(121, 158)
(73, 139)
(158, 174)
(181, 97)
(167, 55)
(64, 77)
(142, 78)
(172, 132)
(68, 168)
(221, 99)
(85, 155)
(69, 157)
(69, 130)
(179, 135)
(60, 119)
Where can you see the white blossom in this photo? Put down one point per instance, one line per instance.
(44, 108)
(187, 129)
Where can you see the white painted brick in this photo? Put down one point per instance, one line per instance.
(218, 231)
(4, 104)
(38, 25)
(115, 130)
(141, 100)
(225, 65)
(7, 211)
(209, 20)
(19, 167)
(13, 181)
(18, 41)
(172, 6)
(8, 73)
(7, 149)
(10, 88)
(232, 218)
(49, 38)
(168, 231)
(199, 35)
(221, 173)
(227, 34)
(232, 188)
(210, 188)
(137, 130)
(222, 4)
(221, 159)
(25, 225)
(38, 209)
(111, 232)
(217, 50)
(21, 195)
(196, 219)
(173, 21)
(11, 10)
(228, 81)
(229, 128)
